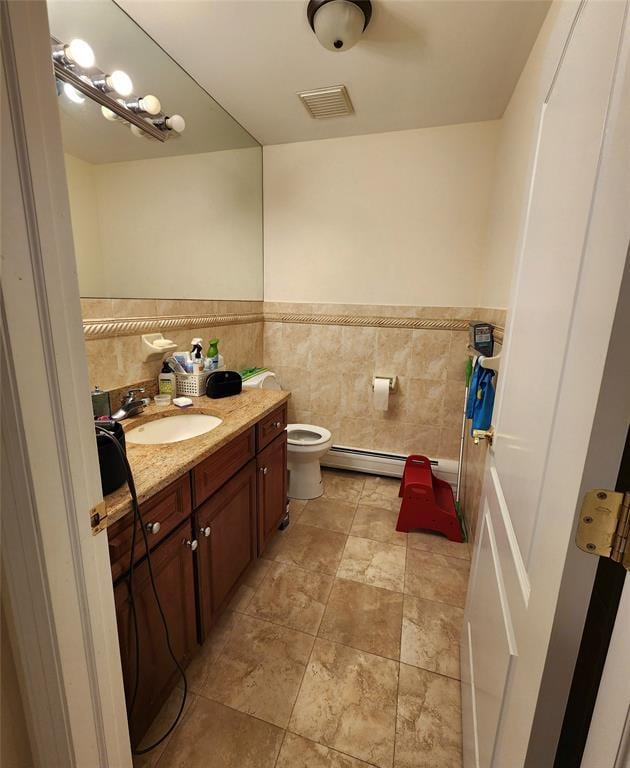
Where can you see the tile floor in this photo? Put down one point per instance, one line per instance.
(340, 649)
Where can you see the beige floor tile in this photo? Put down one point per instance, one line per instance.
(296, 507)
(214, 736)
(297, 752)
(314, 549)
(372, 562)
(242, 598)
(256, 573)
(428, 729)
(348, 702)
(381, 492)
(198, 669)
(332, 514)
(364, 617)
(431, 635)
(346, 486)
(161, 724)
(292, 597)
(378, 523)
(435, 542)
(436, 577)
(260, 669)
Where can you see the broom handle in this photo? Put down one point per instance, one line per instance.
(460, 466)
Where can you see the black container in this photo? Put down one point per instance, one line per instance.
(224, 384)
(113, 471)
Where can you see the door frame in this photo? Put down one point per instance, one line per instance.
(56, 577)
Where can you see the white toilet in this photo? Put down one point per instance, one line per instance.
(306, 444)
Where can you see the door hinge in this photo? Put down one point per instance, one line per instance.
(98, 517)
(605, 524)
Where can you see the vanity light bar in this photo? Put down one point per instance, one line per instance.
(98, 86)
(87, 89)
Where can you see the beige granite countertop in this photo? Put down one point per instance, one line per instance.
(156, 466)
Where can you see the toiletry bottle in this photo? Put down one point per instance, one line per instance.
(212, 357)
(214, 360)
(197, 356)
(167, 381)
(100, 403)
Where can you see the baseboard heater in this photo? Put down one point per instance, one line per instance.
(385, 464)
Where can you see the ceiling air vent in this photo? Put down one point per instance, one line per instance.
(327, 102)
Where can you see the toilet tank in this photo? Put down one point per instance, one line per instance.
(264, 380)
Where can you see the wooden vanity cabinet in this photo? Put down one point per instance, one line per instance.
(172, 565)
(225, 528)
(213, 522)
(272, 488)
(161, 514)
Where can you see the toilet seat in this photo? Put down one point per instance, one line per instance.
(307, 435)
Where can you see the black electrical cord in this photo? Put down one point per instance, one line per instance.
(138, 519)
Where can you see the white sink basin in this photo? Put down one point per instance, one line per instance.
(172, 429)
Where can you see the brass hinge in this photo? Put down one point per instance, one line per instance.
(483, 434)
(605, 524)
(98, 518)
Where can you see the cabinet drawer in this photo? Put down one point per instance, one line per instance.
(270, 427)
(210, 475)
(168, 508)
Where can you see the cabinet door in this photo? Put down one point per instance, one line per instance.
(172, 563)
(227, 543)
(272, 488)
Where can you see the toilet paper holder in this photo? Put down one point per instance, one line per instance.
(393, 382)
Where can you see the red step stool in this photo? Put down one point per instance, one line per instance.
(427, 501)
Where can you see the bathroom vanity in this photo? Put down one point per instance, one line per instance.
(209, 505)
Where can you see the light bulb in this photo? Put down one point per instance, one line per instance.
(79, 52)
(109, 115)
(120, 82)
(72, 93)
(137, 132)
(176, 123)
(150, 104)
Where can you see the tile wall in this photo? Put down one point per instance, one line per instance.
(329, 369)
(116, 362)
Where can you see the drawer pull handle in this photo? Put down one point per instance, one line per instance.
(277, 424)
(153, 527)
(205, 531)
(191, 544)
(264, 470)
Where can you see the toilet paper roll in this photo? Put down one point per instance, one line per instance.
(380, 396)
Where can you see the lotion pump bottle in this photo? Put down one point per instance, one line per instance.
(167, 381)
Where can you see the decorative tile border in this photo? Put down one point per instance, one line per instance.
(371, 321)
(133, 326)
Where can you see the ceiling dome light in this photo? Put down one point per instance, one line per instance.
(80, 53)
(120, 82)
(71, 92)
(339, 24)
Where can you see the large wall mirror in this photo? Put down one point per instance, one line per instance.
(175, 219)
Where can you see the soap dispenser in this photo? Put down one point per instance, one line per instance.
(196, 355)
(167, 381)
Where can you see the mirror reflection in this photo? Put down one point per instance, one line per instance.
(175, 219)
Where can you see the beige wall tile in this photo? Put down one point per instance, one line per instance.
(96, 308)
(457, 356)
(429, 354)
(424, 402)
(134, 307)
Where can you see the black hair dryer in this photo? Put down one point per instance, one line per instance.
(113, 471)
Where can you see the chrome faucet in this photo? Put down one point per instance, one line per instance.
(130, 406)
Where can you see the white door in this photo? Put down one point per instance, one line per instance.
(567, 283)
(609, 735)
